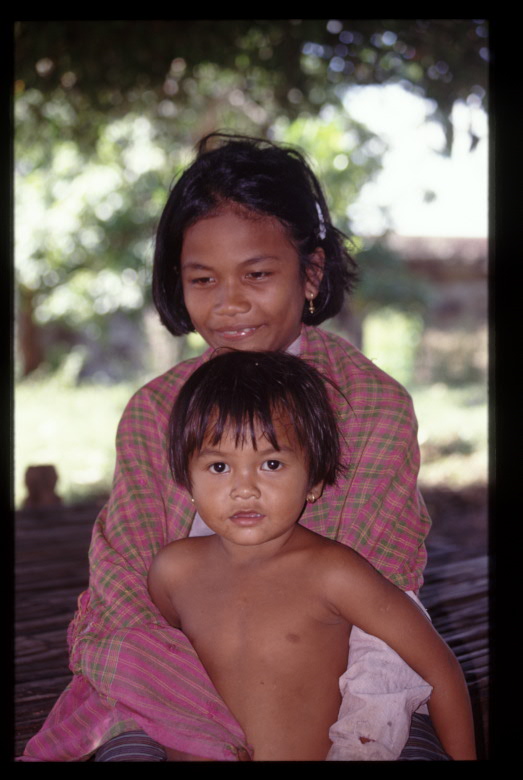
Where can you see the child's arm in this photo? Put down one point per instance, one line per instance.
(366, 599)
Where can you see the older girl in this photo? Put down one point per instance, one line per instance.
(247, 256)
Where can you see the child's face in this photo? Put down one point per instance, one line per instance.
(247, 496)
(242, 284)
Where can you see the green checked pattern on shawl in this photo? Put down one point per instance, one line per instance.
(131, 669)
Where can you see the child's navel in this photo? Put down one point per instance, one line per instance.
(292, 638)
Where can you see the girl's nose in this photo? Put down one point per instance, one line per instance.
(232, 299)
(245, 487)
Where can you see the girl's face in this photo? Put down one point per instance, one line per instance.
(250, 496)
(242, 284)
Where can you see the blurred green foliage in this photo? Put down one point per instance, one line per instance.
(391, 339)
(260, 67)
(84, 228)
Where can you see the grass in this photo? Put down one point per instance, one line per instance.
(74, 427)
(452, 434)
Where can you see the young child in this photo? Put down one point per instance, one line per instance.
(268, 604)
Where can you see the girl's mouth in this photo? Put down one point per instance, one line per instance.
(237, 333)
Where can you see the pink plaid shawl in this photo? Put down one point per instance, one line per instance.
(130, 668)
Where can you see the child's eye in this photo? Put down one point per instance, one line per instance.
(219, 468)
(272, 465)
(258, 275)
(201, 281)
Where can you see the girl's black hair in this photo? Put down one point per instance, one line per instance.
(242, 392)
(261, 177)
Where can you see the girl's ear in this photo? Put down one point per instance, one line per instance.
(315, 273)
(315, 492)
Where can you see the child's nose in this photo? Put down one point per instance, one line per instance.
(245, 487)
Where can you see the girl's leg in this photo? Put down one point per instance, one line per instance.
(131, 746)
(138, 746)
(423, 744)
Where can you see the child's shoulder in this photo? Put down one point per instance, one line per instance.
(176, 558)
(342, 564)
(346, 579)
(330, 554)
(342, 576)
(183, 547)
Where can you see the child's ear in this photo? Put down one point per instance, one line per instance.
(315, 272)
(314, 493)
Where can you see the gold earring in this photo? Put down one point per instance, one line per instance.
(311, 498)
(192, 499)
(311, 305)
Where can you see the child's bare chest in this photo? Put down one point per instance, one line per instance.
(258, 615)
(273, 648)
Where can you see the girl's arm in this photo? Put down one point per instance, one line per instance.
(366, 599)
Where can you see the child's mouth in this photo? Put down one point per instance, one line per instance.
(246, 518)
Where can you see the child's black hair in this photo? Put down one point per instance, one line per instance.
(267, 179)
(242, 392)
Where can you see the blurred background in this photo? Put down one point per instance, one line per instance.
(393, 115)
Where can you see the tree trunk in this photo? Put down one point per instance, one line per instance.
(29, 333)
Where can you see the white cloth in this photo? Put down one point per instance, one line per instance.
(380, 692)
(199, 527)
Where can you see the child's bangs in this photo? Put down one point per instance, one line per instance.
(244, 425)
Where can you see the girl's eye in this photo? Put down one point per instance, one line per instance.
(272, 465)
(218, 468)
(201, 281)
(258, 275)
